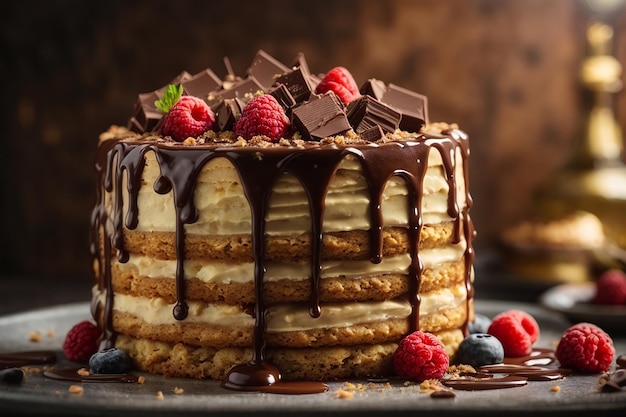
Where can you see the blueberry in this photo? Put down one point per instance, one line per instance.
(109, 361)
(480, 324)
(480, 349)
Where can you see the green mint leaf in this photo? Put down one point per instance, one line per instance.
(170, 97)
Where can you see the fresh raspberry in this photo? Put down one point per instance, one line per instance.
(263, 116)
(190, 116)
(611, 288)
(81, 341)
(585, 347)
(340, 81)
(517, 331)
(420, 356)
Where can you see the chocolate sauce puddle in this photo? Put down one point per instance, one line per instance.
(516, 371)
(72, 375)
(478, 384)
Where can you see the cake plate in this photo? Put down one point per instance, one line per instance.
(39, 396)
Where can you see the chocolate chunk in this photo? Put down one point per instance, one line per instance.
(247, 86)
(301, 62)
(228, 113)
(411, 105)
(179, 79)
(145, 114)
(374, 88)
(320, 117)
(366, 112)
(298, 83)
(201, 84)
(372, 134)
(265, 69)
(284, 97)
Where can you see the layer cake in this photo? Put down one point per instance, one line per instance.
(314, 254)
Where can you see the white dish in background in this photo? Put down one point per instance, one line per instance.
(574, 302)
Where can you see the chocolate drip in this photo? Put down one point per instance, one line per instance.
(258, 168)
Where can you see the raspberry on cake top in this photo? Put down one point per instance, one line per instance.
(280, 220)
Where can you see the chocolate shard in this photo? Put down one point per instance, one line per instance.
(229, 112)
(320, 117)
(374, 88)
(412, 106)
(298, 83)
(202, 83)
(283, 96)
(366, 112)
(265, 69)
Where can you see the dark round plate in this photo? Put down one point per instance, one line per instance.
(574, 302)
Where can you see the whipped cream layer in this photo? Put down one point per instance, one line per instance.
(224, 210)
(225, 273)
(287, 317)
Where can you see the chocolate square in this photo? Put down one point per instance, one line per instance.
(298, 83)
(413, 107)
(265, 69)
(239, 90)
(320, 117)
(366, 112)
(374, 88)
(202, 83)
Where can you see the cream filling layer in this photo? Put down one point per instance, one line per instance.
(225, 273)
(224, 210)
(287, 317)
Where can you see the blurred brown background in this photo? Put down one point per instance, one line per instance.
(505, 70)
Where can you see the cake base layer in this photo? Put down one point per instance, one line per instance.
(212, 335)
(322, 364)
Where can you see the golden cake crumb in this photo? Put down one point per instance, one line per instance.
(34, 336)
(431, 385)
(456, 370)
(178, 390)
(82, 372)
(159, 395)
(141, 379)
(555, 388)
(344, 395)
(75, 389)
(349, 386)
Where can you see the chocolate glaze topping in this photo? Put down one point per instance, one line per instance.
(258, 167)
